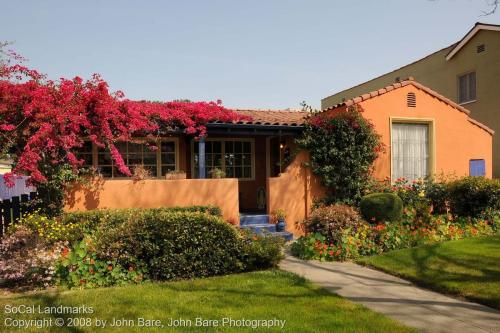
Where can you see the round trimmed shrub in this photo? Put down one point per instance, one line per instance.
(333, 221)
(381, 207)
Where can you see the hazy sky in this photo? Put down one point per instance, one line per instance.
(251, 54)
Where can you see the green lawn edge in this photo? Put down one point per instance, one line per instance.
(385, 263)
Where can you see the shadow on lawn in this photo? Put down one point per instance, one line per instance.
(53, 301)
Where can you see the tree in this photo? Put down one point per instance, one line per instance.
(43, 123)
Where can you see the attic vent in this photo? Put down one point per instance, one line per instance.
(411, 100)
(481, 48)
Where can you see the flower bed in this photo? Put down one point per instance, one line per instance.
(115, 247)
(434, 212)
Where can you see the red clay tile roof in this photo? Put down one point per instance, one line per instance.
(273, 117)
(414, 83)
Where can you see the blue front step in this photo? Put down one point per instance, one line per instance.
(260, 224)
(248, 219)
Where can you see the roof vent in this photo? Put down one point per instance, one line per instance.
(481, 48)
(411, 100)
(397, 79)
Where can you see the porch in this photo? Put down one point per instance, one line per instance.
(247, 169)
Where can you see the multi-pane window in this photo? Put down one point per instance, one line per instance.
(85, 153)
(467, 87)
(410, 151)
(157, 162)
(234, 157)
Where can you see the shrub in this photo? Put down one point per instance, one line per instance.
(331, 221)
(172, 245)
(86, 222)
(342, 146)
(80, 266)
(471, 196)
(25, 260)
(381, 207)
(261, 251)
(49, 229)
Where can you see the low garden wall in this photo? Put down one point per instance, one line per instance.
(153, 193)
(294, 191)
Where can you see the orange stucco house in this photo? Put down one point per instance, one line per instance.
(424, 134)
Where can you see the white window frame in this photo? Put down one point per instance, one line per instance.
(431, 167)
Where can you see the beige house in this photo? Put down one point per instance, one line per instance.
(4, 166)
(467, 72)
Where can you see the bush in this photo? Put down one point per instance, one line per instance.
(51, 230)
(172, 245)
(261, 251)
(84, 223)
(343, 146)
(471, 196)
(381, 207)
(331, 222)
(80, 266)
(26, 260)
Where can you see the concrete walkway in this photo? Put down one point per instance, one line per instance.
(396, 298)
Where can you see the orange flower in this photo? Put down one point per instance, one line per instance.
(110, 267)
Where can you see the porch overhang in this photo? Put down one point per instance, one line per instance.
(253, 129)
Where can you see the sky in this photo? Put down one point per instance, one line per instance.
(266, 54)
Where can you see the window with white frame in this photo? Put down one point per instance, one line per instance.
(158, 162)
(467, 88)
(232, 156)
(410, 150)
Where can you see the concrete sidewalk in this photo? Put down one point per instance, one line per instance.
(396, 298)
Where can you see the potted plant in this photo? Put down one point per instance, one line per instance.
(176, 174)
(217, 173)
(279, 217)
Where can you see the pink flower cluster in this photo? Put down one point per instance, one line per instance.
(44, 122)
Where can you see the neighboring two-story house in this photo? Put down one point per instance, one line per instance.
(467, 72)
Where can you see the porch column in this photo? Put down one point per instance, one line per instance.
(201, 158)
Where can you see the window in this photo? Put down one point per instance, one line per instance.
(86, 154)
(477, 168)
(467, 88)
(410, 151)
(232, 156)
(158, 162)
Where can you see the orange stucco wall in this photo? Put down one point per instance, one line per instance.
(454, 139)
(294, 191)
(157, 193)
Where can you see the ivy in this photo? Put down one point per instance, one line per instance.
(343, 146)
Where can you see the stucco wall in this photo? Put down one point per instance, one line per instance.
(294, 191)
(157, 193)
(435, 72)
(455, 141)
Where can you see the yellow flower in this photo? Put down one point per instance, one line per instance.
(421, 194)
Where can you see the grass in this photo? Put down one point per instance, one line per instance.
(257, 295)
(468, 268)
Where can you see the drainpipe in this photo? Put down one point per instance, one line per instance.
(201, 158)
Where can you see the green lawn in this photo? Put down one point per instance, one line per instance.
(469, 268)
(257, 295)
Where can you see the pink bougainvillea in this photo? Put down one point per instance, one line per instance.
(44, 121)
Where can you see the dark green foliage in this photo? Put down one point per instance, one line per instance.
(173, 245)
(342, 147)
(381, 207)
(472, 196)
(86, 222)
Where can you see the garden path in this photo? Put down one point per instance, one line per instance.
(422, 309)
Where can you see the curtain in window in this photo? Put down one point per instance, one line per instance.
(410, 151)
